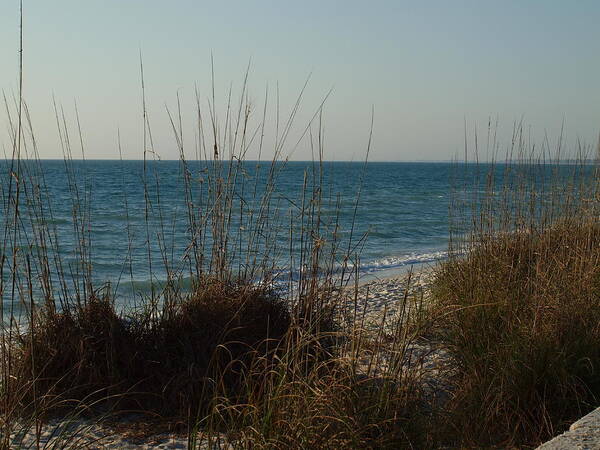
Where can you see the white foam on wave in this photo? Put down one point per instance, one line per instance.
(393, 262)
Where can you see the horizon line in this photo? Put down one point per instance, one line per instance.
(420, 161)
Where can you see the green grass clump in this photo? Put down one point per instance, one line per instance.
(522, 323)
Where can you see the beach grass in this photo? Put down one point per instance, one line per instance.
(522, 325)
(249, 359)
(520, 300)
(168, 365)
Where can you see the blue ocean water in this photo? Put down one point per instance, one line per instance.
(133, 219)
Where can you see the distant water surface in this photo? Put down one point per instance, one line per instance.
(402, 209)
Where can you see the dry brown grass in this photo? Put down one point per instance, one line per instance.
(169, 365)
(522, 323)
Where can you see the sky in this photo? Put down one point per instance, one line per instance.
(426, 68)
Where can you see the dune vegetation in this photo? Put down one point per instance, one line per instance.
(521, 307)
(249, 357)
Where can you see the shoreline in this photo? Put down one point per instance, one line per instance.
(397, 272)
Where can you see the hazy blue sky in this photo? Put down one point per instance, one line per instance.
(424, 65)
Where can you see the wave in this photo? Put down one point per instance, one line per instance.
(394, 262)
(146, 285)
(283, 274)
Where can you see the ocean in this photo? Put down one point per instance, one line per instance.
(134, 222)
